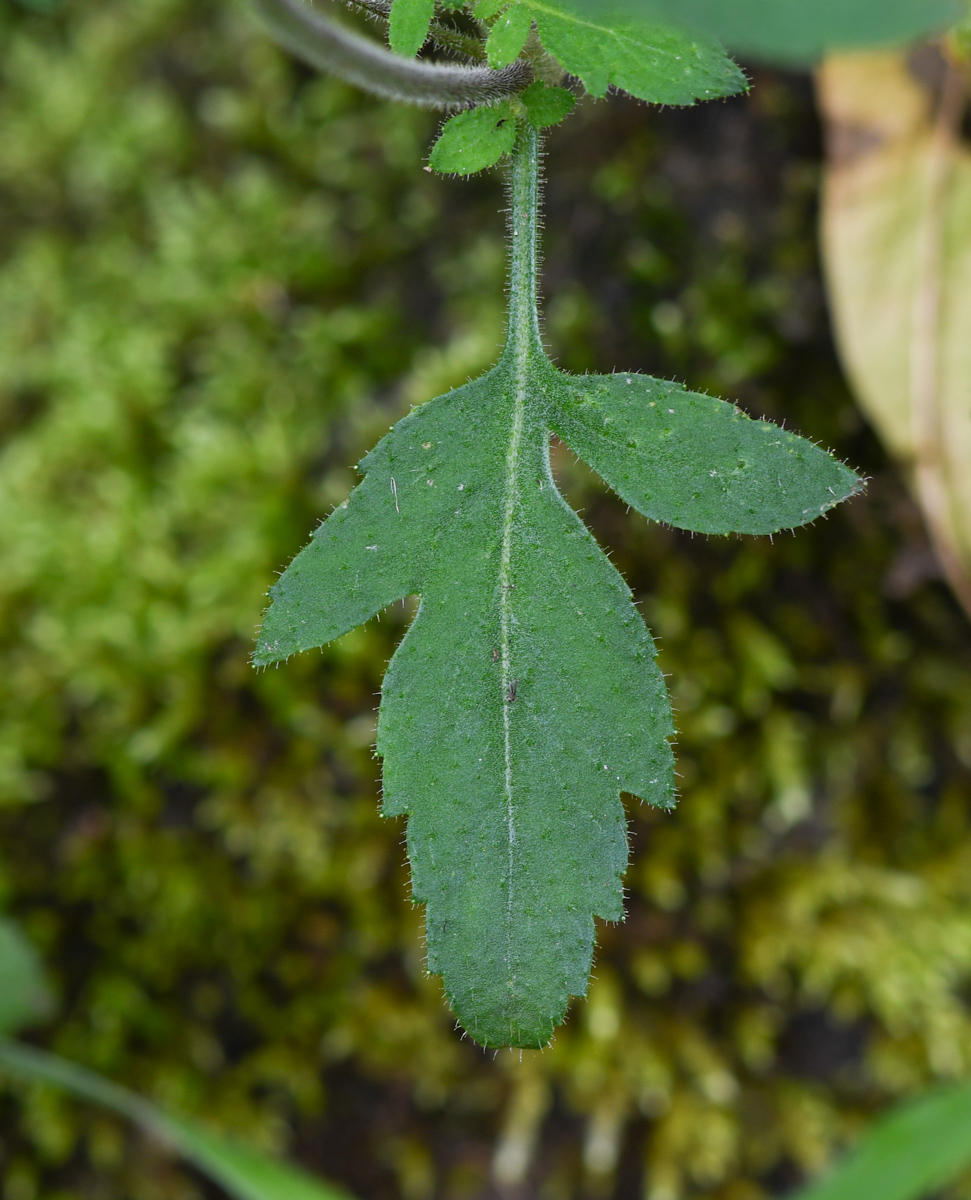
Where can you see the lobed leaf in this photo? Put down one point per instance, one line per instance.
(696, 462)
(475, 139)
(525, 696)
(408, 25)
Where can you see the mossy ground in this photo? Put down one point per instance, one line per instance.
(221, 279)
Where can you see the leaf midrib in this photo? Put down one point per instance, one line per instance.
(520, 374)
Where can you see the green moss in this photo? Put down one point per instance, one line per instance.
(220, 279)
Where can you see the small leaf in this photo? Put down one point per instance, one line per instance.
(473, 140)
(409, 24)
(696, 462)
(916, 1149)
(546, 106)
(650, 60)
(244, 1173)
(508, 36)
(485, 10)
(24, 995)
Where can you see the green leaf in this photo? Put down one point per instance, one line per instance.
(650, 60)
(546, 106)
(792, 30)
(508, 36)
(526, 697)
(916, 1149)
(24, 995)
(473, 140)
(409, 24)
(696, 462)
(242, 1172)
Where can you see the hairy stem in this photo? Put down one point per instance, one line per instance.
(523, 333)
(359, 61)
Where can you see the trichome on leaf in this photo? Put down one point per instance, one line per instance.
(525, 697)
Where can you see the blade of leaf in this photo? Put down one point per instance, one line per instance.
(242, 1172)
(408, 25)
(696, 462)
(525, 696)
(523, 699)
(506, 740)
(790, 30)
(474, 140)
(651, 60)
(916, 1149)
(508, 36)
(24, 994)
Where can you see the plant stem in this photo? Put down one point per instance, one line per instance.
(523, 337)
(329, 47)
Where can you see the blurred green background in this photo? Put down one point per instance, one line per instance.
(221, 279)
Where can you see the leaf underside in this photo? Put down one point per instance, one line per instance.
(525, 697)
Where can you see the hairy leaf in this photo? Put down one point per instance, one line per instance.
(409, 24)
(242, 1172)
(791, 30)
(473, 140)
(649, 59)
(546, 106)
(525, 696)
(913, 1151)
(24, 996)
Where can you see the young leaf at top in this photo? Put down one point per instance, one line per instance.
(525, 697)
(475, 139)
(408, 25)
(652, 60)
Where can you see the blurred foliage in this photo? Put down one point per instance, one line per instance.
(221, 278)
